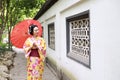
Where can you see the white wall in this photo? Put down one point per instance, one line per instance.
(109, 27)
(104, 30)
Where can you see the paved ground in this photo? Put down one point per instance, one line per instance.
(19, 70)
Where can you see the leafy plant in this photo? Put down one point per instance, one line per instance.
(13, 11)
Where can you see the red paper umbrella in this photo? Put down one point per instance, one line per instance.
(20, 32)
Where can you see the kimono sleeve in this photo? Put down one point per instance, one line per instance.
(27, 45)
(44, 46)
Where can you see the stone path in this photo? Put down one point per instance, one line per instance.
(19, 70)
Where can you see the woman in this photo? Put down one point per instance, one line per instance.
(35, 50)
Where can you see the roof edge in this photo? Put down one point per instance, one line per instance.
(44, 8)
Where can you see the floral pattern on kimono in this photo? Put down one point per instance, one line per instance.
(35, 65)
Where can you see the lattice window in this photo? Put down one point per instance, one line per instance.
(78, 40)
(51, 36)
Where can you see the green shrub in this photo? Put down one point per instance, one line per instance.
(3, 47)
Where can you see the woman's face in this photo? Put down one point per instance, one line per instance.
(35, 31)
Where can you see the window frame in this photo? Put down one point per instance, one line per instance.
(51, 25)
(79, 16)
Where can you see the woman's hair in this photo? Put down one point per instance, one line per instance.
(31, 28)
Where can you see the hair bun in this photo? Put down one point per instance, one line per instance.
(31, 27)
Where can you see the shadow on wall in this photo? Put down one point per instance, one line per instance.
(60, 72)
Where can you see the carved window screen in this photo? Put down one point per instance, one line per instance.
(51, 36)
(78, 38)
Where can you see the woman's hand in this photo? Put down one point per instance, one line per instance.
(35, 45)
